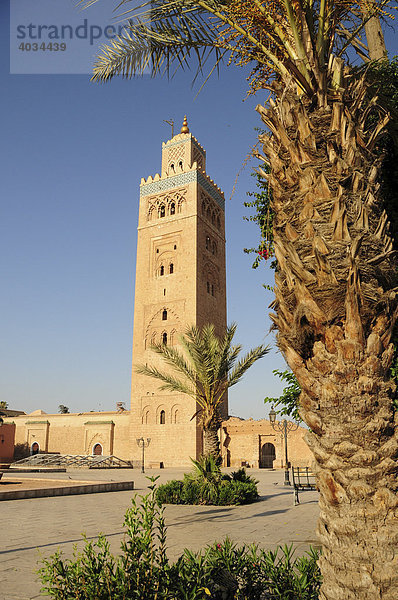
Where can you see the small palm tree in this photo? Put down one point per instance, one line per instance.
(209, 366)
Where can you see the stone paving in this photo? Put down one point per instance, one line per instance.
(37, 527)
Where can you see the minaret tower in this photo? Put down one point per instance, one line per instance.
(180, 281)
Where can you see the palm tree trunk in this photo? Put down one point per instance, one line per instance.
(211, 442)
(335, 310)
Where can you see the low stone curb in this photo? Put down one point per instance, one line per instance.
(70, 490)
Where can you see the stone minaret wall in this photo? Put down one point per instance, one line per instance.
(180, 281)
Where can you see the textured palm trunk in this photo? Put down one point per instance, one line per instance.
(211, 442)
(335, 309)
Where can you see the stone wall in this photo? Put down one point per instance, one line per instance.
(75, 433)
(256, 444)
(7, 435)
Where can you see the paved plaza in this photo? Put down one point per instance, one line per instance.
(37, 527)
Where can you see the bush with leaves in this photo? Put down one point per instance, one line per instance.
(142, 571)
(206, 484)
(222, 571)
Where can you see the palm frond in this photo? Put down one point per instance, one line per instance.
(176, 360)
(170, 383)
(245, 364)
(158, 40)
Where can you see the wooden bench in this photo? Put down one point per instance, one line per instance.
(303, 479)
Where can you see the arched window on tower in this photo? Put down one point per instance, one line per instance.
(174, 414)
(162, 417)
(180, 164)
(171, 268)
(214, 248)
(164, 315)
(162, 211)
(218, 222)
(172, 208)
(208, 287)
(207, 242)
(161, 270)
(164, 338)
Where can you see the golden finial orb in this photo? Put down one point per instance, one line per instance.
(185, 128)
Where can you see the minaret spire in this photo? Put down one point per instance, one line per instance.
(185, 128)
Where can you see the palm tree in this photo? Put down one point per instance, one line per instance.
(336, 281)
(204, 370)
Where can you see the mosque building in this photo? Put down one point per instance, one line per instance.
(180, 281)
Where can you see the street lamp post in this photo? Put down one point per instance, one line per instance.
(142, 443)
(285, 427)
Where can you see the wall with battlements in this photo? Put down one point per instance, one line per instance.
(256, 444)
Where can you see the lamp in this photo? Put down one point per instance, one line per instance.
(272, 415)
(284, 427)
(142, 443)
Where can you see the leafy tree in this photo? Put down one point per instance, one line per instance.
(3, 404)
(206, 368)
(336, 299)
(63, 409)
(263, 216)
(289, 399)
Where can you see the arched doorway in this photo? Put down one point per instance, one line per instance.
(267, 456)
(97, 450)
(35, 449)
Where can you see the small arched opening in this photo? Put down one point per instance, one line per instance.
(34, 449)
(97, 450)
(267, 456)
(162, 417)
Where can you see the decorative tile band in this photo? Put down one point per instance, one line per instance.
(155, 187)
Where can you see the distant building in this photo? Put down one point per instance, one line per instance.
(180, 281)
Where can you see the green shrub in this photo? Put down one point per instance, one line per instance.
(237, 492)
(170, 492)
(206, 484)
(191, 492)
(143, 572)
(195, 491)
(241, 475)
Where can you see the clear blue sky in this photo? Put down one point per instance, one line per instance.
(73, 154)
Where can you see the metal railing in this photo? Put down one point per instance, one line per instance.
(72, 460)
